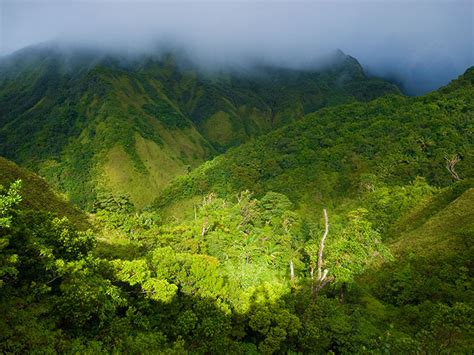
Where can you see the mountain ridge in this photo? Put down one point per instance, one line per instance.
(100, 124)
(388, 137)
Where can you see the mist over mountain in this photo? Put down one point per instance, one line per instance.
(232, 255)
(103, 120)
(422, 45)
(238, 177)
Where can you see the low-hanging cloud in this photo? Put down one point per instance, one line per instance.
(422, 44)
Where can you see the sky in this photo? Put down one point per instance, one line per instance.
(421, 44)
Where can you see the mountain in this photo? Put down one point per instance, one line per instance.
(337, 152)
(346, 230)
(394, 174)
(91, 122)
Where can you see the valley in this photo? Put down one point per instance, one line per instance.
(149, 206)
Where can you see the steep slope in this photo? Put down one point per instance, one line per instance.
(425, 291)
(334, 153)
(447, 228)
(85, 129)
(89, 122)
(230, 107)
(38, 195)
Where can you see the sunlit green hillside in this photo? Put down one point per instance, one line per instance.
(89, 122)
(342, 151)
(328, 225)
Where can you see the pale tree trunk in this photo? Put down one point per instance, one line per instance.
(321, 245)
(322, 279)
(451, 164)
(204, 227)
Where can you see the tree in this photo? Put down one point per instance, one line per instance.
(355, 248)
(8, 200)
(451, 163)
(322, 278)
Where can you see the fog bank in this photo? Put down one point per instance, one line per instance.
(421, 44)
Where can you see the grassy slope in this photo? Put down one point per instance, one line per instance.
(449, 230)
(88, 129)
(422, 217)
(330, 154)
(37, 195)
(95, 123)
(432, 264)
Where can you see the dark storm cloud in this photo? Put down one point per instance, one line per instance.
(423, 44)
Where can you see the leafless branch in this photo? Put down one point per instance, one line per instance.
(321, 245)
(205, 227)
(322, 279)
(451, 164)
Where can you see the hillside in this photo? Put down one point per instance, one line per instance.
(338, 153)
(426, 289)
(38, 195)
(97, 122)
(237, 254)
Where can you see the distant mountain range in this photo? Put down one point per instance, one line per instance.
(91, 122)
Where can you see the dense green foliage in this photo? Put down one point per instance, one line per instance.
(229, 258)
(342, 151)
(221, 280)
(38, 195)
(96, 122)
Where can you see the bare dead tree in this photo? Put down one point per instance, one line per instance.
(207, 200)
(322, 279)
(205, 227)
(321, 245)
(451, 164)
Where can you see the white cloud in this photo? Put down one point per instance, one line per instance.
(424, 42)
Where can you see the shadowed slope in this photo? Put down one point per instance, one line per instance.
(37, 195)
